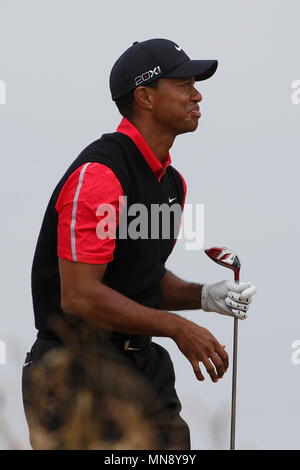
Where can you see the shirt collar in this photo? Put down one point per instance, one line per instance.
(158, 168)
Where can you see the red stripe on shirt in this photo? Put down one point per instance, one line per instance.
(99, 186)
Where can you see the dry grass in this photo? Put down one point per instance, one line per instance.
(82, 398)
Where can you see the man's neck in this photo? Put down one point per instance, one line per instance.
(158, 140)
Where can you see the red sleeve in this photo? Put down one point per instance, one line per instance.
(81, 221)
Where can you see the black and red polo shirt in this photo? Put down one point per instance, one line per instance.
(116, 166)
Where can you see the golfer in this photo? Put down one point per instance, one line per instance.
(89, 272)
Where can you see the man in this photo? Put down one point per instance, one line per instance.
(119, 284)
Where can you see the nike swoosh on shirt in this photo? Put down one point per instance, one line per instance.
(171, 200)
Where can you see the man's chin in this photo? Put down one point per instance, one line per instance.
(189, 127)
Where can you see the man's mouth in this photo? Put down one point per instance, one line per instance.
(195, 111)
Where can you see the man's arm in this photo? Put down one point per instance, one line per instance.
(84, 295)
(179, 294)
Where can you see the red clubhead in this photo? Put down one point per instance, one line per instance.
(226, 258)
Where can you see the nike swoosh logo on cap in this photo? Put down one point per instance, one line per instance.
(178, 48)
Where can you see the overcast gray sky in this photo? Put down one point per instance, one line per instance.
(241, 163)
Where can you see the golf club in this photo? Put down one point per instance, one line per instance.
(229, 259)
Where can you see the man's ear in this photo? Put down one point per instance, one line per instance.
(144, 97)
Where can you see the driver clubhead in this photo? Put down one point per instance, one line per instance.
(225, 257)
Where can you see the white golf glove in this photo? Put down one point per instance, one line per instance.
(228, 298)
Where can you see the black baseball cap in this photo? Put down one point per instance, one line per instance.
(147, 61)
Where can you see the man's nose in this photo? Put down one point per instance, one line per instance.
(196, 95)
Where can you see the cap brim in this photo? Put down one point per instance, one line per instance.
(200, 69)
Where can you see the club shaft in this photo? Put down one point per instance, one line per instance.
(234, 372)
(234, 380)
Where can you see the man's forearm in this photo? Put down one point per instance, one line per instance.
(179, 294)
(108, 309)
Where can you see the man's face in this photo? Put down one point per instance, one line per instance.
(175, 104)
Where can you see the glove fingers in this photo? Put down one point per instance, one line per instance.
(235, 305)
(239, 288)
(228, 298)
(246, 289)
(248, 292)
(239, 298)
(240, 315)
